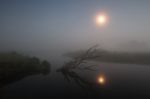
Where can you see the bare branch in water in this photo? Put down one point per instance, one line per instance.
(79, 63)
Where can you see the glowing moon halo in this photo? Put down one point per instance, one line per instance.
(101, 19)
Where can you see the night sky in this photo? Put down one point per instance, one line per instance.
(70, 24)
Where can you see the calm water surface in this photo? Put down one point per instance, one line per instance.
(120, 79)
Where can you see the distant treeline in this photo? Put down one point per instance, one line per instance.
(116, 57)
(14, 66)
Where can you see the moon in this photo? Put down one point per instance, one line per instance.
(101, 19)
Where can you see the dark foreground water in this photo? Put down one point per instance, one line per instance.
(120, 80)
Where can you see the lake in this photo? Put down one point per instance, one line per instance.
(120, 80)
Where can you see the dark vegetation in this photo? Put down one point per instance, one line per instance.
(14, 67)
(116, 57)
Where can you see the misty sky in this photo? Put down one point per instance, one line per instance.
(69, 24)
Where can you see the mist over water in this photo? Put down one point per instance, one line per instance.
(44, 31)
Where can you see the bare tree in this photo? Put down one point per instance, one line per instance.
(78, 63)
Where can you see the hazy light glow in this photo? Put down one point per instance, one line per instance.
(101, 19)
(101, 80)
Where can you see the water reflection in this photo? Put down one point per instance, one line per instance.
(101, 80)
(79, 63)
